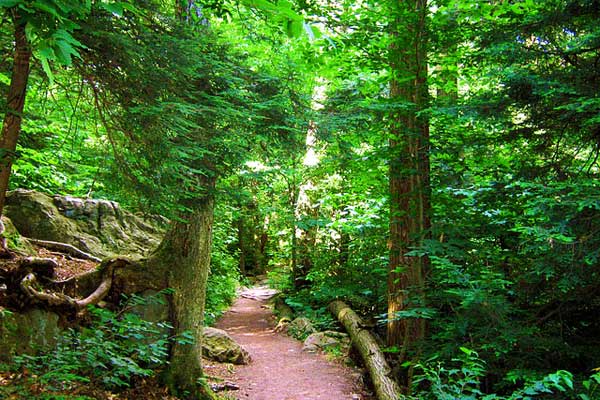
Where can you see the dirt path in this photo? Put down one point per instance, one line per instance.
(280, 370)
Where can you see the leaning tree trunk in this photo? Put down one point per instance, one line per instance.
(379, 371)
(11, 127)
(185, 254)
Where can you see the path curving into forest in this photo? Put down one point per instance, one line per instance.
(280, 370)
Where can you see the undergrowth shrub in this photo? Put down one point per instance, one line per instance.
(304, 305)
(463, 379)
(279, 277)
(224, 277)
(110, 352)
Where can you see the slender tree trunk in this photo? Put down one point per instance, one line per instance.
(293, 194)
(182, 9)
(185, 256)
(305, 237)
(409, 173)
(262, 258)
(11, 127)
(241, 244)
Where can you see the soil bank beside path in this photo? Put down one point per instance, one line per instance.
(280, 370)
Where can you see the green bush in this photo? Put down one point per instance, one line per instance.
(462, 379)
(113, 350)
(224, 277)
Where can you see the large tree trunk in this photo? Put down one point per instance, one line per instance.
(385, 386)
(185, 256)
(409, 174)
(11, 127)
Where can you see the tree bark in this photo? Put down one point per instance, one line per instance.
(409, 173)
(385, 387)
(185, 255)
(15, 102)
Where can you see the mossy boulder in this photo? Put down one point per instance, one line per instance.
(217, 345)
(26, 333)
(300, 328)
(14, 240)
(98, 227)
(328, 340)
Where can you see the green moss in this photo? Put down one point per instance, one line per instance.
(14, 240)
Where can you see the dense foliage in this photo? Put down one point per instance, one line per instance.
(294, 119)
(112, 352)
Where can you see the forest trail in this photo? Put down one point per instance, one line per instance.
(280, 370)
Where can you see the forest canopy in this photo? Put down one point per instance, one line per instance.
(434, 164)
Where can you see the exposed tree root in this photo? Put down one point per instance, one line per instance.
(64, 248)
(28, 284)
(39, 265)
(33, 279)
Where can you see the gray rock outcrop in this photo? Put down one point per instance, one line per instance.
(25, 333)
(98, 227)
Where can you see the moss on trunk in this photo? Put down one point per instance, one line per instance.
(184, 255)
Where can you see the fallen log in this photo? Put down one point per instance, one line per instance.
(362, 340)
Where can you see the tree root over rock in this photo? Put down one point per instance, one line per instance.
(32, 277)
(284, 312)
(29, 282)
(64, 248)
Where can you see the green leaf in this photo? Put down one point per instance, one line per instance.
(312, 31)
(48, 8)
(294, 28)
(466, 351)
(46, 54)
(5, 79)
(115, 8)
(260, 5)
(9, 3)
(65, 52)
(47, 69)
